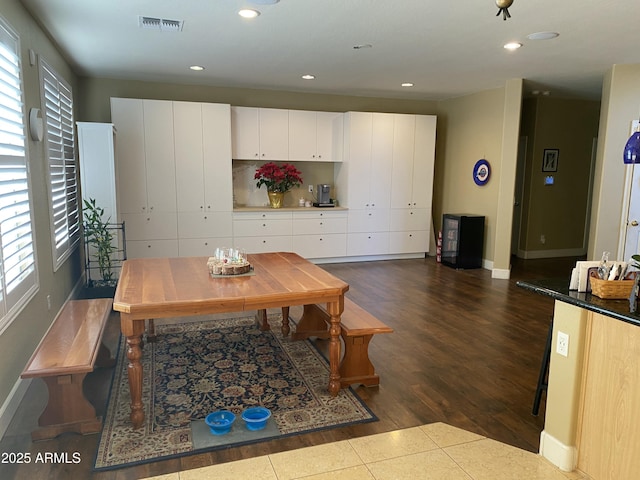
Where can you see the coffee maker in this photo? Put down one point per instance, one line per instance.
(322, 193)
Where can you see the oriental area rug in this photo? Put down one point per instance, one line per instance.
(195, 368)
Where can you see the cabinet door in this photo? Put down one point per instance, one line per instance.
(302, 135)
(245, 137)
(187, 127)
(403, 150)
(131, 184)
(409, 242)
(159, 155)
(407, 219)
(152, 248)
(423, 161)
(263, 244)
(359, 131)
(201, 247)
(218, 177)
(329, 136)
(367, 244)
(156, 226)
(381, 160)
(369, 220)
(204, 225)
(320, 246)
(274, 134)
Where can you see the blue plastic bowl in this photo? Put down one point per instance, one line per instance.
(220, 422)
(255, 418)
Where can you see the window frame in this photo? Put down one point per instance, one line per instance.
(13, 301)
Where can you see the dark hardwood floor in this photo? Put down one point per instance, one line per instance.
(466, 351)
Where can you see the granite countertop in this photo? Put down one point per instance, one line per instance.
(559, 290)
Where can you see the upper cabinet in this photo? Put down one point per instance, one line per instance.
(203, 156)
(414, 141)
(259, 133)
(315, 136)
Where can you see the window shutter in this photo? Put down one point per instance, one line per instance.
(58, 106)
(17, 256)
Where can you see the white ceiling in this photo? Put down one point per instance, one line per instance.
(446, 48)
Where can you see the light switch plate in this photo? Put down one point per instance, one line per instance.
(562, 344)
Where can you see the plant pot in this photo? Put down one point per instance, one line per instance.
(276, 199)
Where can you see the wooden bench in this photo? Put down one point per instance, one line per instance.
(357, 329)
(70, 349)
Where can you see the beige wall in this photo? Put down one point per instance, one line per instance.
(469, 128)
(19, 340)
(559, 211)
(94, 95)
(620, 106)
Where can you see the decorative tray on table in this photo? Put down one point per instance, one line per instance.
(228, 262)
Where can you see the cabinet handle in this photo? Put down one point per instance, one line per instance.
(264, 224)
(320, 239)
(201, 207)
(319, 156)
(410, 213)
(150, 208)
(320, 223)
(370, 214)
(205, 217)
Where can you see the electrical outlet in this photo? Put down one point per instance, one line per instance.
(310, 188)
(562, 344)
(48, 302)
(543, 239)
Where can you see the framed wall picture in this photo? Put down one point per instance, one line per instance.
(550, 160)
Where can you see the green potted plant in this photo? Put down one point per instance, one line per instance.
(99, 240)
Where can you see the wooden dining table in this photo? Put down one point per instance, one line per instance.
(151, 288)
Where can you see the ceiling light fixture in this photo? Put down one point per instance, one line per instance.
(407, 84)
(196, 68)
(248, 13)
(308, 76)
(512, 46)
(503, 8)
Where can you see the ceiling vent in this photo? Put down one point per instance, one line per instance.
(163, 24)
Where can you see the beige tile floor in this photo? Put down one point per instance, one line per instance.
(431, 452)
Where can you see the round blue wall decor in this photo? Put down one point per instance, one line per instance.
(481, 172)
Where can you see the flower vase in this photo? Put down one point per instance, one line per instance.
(276, 199)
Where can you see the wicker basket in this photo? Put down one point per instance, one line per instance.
(611, 289)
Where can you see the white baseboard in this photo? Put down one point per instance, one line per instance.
(501, 273)
(369, 258)
(562, 456)
(11, 404)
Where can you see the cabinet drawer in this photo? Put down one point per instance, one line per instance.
(307, 226)
(408, 219)
(155, 226)
(204, 225)
(369, 220)
(367, 244)
(201, 247)
(409, 242)
(259, 228)
(320, 246)
(152, 248)
(263, 244)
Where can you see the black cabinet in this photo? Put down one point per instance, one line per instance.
(462, 240)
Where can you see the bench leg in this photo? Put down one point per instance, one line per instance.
(356, 367)
(313, 323)
(104, 358)
(68, 410)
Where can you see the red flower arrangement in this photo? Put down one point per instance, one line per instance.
(278, 178)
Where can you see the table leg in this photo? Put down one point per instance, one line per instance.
(151, 331)
(335, 310)
(285, 321)
(134, 371)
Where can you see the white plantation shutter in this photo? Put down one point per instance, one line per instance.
(17, 256)
(58, 107)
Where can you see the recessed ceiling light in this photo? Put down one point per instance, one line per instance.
(542, 35)
(407, 84)
(512, 46)
(308, 77)
(248, 13)
(197, 68)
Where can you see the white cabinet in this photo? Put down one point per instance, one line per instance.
(410, 229)
(145, 156)
(97, 166)
(370, 243)
(203, 157)
(320, 234)
(174, 181)
(413, 161)
(259, 133)
(258, 232)
(315, 136)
